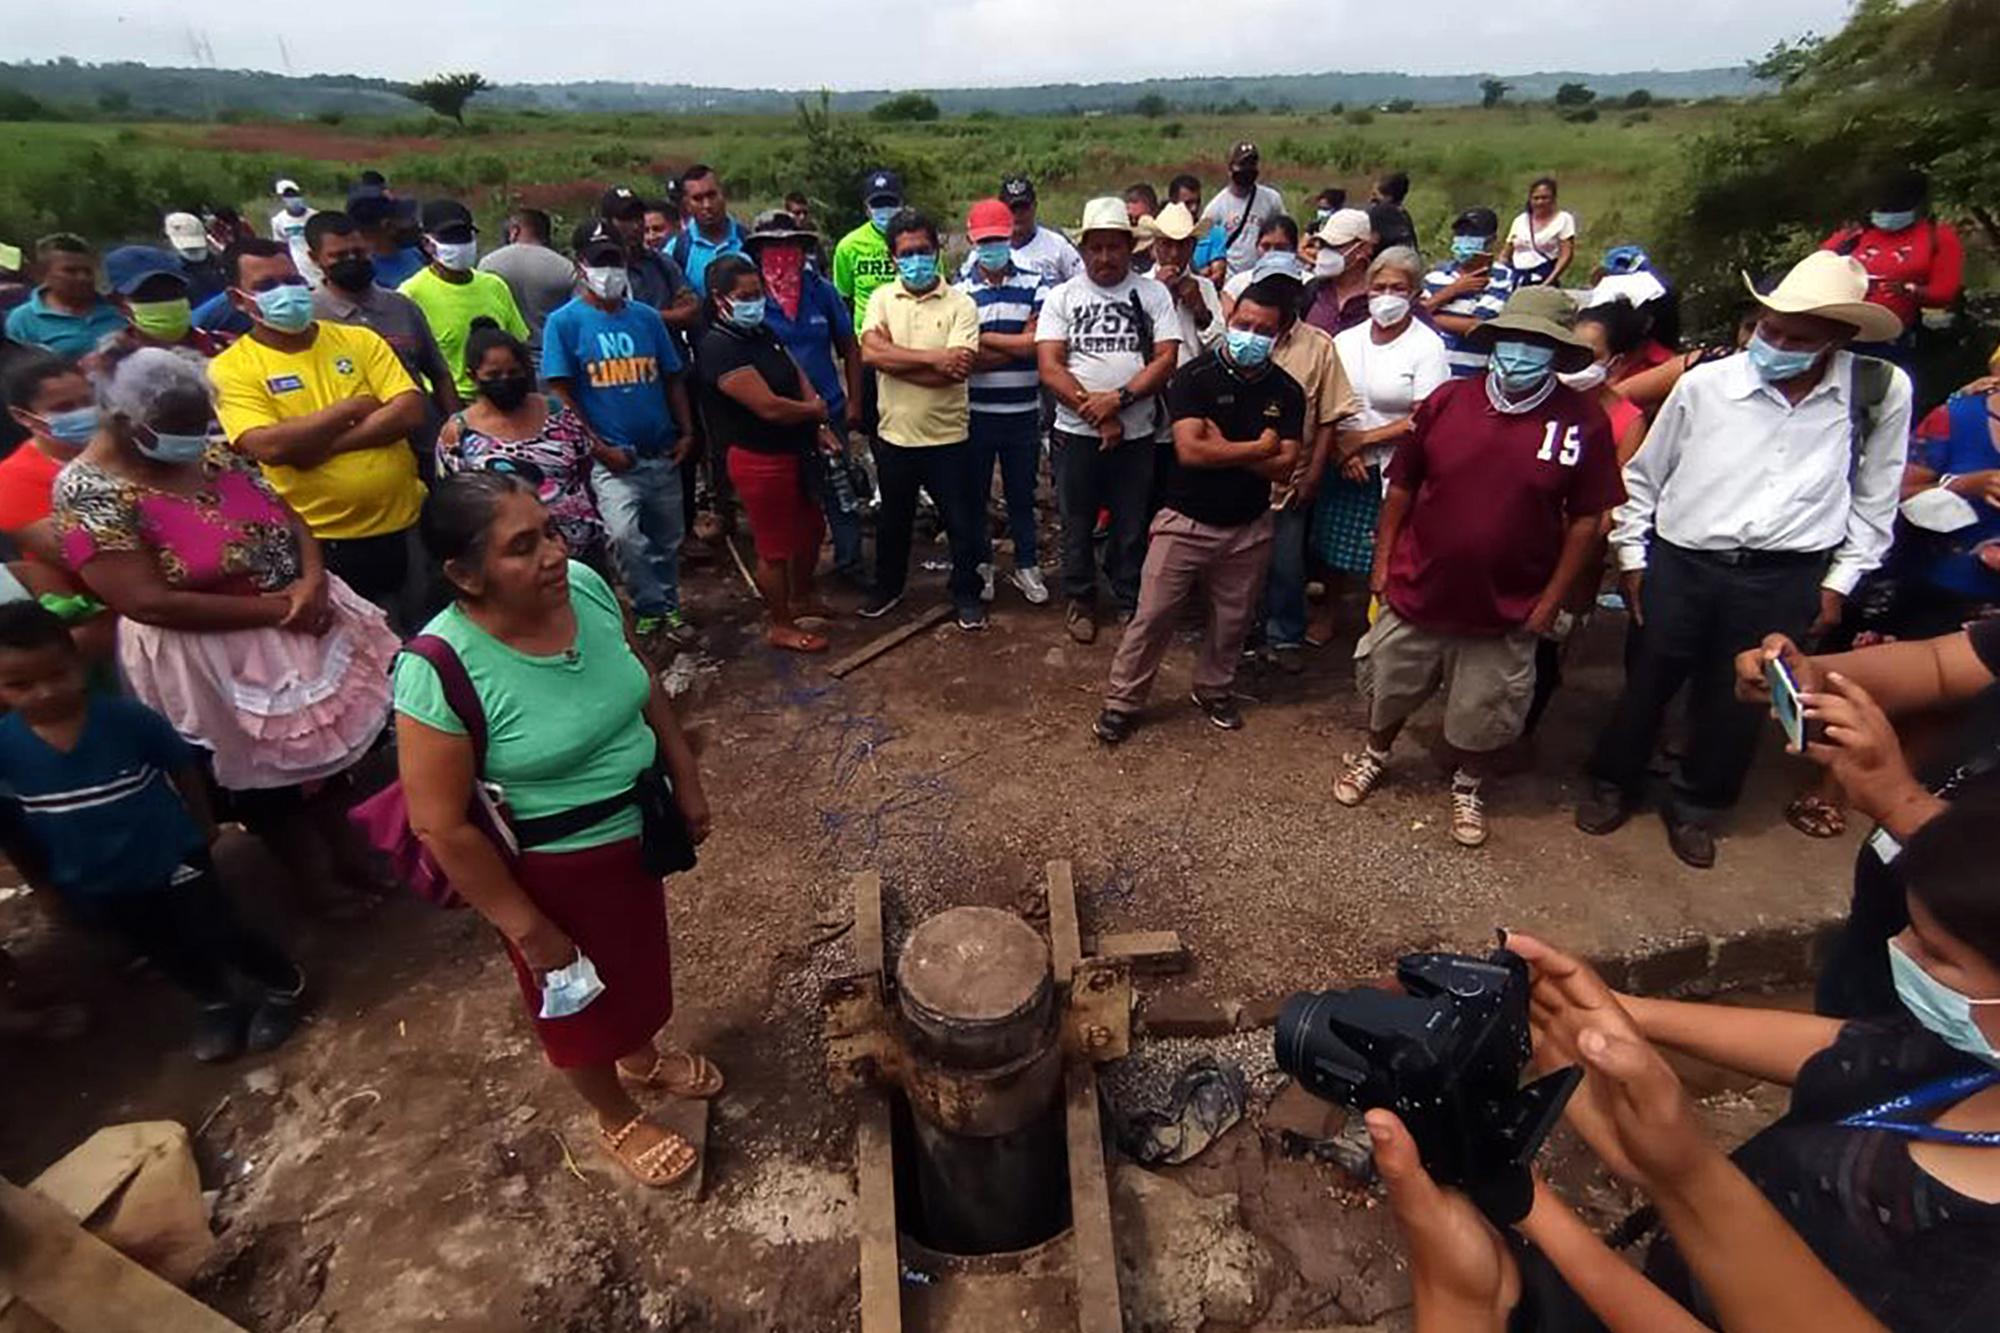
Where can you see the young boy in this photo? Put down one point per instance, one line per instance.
(111, 801)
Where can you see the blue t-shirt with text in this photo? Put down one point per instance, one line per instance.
(617, 363)
(809, 338)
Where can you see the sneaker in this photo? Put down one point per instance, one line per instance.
(1029, 581)
(1468, 814)
(1362, 774)
(1222, 712)
(676, 627)
(1081, 621)
(986, 583)
(1693, 843)
(878, 604)
(1112, 728)
(974, 617)
(274, 1020)
(1604, 810)
(218, 1034)
(644, 625)
(1289, 658)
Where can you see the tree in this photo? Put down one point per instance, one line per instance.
(1152, 106)
(1492, 90)
(1637, 99)
(1574, 94)
(907, 107)
(447, 94)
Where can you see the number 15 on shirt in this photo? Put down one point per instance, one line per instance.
(1570, 449)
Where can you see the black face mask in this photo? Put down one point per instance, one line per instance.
(1244, 178)
(507, 392)
(352, 273)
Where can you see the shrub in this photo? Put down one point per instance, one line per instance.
(905, 108)
(1361, 116)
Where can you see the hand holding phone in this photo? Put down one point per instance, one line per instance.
(1786, 704)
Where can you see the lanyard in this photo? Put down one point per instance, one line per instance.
(1944, 1092)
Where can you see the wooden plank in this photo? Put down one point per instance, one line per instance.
(902, 634)
(1065, 940)
(881, 1264)
(868, 921)
(1094, 1260)
(1151, 952)
(79, 1283)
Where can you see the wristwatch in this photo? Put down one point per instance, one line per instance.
(1125, 398)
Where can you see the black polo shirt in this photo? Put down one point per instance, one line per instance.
(1242, 408)
(724, 349)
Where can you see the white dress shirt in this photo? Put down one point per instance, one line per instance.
(1197, 338)
(1731, 464)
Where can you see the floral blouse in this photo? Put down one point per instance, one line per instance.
(555, 462)
(232, 536)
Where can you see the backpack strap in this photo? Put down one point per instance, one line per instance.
(680, 248)
(1868, 380)
(459, 693)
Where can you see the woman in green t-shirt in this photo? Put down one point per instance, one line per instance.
(572, 718)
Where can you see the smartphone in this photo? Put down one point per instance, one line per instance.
(1785, 701)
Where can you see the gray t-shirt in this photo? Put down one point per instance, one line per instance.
(1228, 207)
(540, 278)
(1106, 340)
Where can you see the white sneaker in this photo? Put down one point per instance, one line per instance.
(1029, 581)
(986, 583)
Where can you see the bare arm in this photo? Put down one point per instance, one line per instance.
(1579, 537)
(684, 311)
(129, 582)
(1770, 1044)
(194, 794)
(305, 441)
(845, 343)
(1565, 254)
(1052, 364)
(1198, 443)
(430, 359)
(609, 455)
(683, 415)
(880, 352)
(1910, 675)
(998, 349)
(1616, 1292)
(748, 387)
(1456, 324)
(1352, 442)
(394, 420)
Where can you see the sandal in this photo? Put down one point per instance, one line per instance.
(1816, 817)
(656, 1167)
(699, 1080)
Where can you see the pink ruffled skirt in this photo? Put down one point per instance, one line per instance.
(275, 708)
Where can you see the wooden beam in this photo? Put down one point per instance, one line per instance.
(1094, 1257)
(868, 922)
(1151, 952)
(1065, 940)
(80, 1284)
(896, 637)
(881, 1262)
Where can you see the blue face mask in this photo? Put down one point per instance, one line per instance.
(880, 216)
(917, 271)
(76, 426)
(1521, 367)
(1942, 1010)
(995, 255)
(1775, 365)
(164, 448)
(1247, 349)
(1902, 221)
(747, 312)
(1465, 248)
(288, 309)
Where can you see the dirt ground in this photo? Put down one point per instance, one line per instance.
(408, 1162)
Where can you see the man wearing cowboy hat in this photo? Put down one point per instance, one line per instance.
(1197, 305)
(1766, 489)
(1493, 504)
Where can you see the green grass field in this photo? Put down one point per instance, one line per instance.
(110, 181)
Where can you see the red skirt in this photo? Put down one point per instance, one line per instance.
(785, 522)
(604, 900)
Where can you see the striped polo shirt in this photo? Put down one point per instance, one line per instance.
(1006, 307)
(1500, 285)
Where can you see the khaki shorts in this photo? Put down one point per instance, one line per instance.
(1488, 681)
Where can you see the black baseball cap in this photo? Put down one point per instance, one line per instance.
(881, 186)
(620, 202)
(1476, 222)
(1017, 190)
(597, 238)
(1244, 152)
(441, 215)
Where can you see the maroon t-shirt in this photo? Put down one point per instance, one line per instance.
(1493, 494)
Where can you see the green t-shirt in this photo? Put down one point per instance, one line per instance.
(563, 730)
(450, 307)
(861, 263)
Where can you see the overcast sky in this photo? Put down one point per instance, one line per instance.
(916, 43)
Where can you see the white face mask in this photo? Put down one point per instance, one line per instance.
(607, 284)
(458, 256)
(1388, 309)
(1329, 263)
(1590, 377)
(1939, 1008)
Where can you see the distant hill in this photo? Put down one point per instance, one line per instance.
(136, 89)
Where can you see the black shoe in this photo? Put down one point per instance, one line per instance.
(1289, 658)
(1112, 728)
(1694, 844)
(972, 618)
(1081, 622)
(218, 1034)
(1605, 809)
(878, 603)
(276, 1019)
(1222, 712)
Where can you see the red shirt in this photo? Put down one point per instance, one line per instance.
(27, 479)
(1927, 256)
(1494, 493)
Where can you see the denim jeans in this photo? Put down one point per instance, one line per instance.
(845, 527)
(1285, 590)
(642, 518)
(1014, 441)
(1119, 479)
(945, 470)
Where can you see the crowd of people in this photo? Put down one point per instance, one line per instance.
(280, 498)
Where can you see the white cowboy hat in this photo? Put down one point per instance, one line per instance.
(1832, 286)
(1173, 223)
(1106, 214)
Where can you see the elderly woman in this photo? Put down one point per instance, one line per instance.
(234, 631)
(1542, 242)
(574, 733)
(1394, 361)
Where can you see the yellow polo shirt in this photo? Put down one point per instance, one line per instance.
(915, 415)
(365, 493)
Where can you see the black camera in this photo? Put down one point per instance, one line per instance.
(1446, 1057)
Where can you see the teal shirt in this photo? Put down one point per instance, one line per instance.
(66, 335)
(562, 730)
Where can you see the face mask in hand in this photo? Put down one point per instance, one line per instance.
(607, 284)
(1329, 263)
(75, 427)
(917, 271)
(747, 313)
(458, 256)
(1942, 1010)
(1521, 367)
(288, 309)
(1388, 309)
(162, 447)
(1587, 380)
(1247, 349)
(569, 990)
(506, 392)
(1775, 365)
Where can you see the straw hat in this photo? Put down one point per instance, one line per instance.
(1546, 312)
(1106, 214)
(1832, 286)
(1172, 223)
